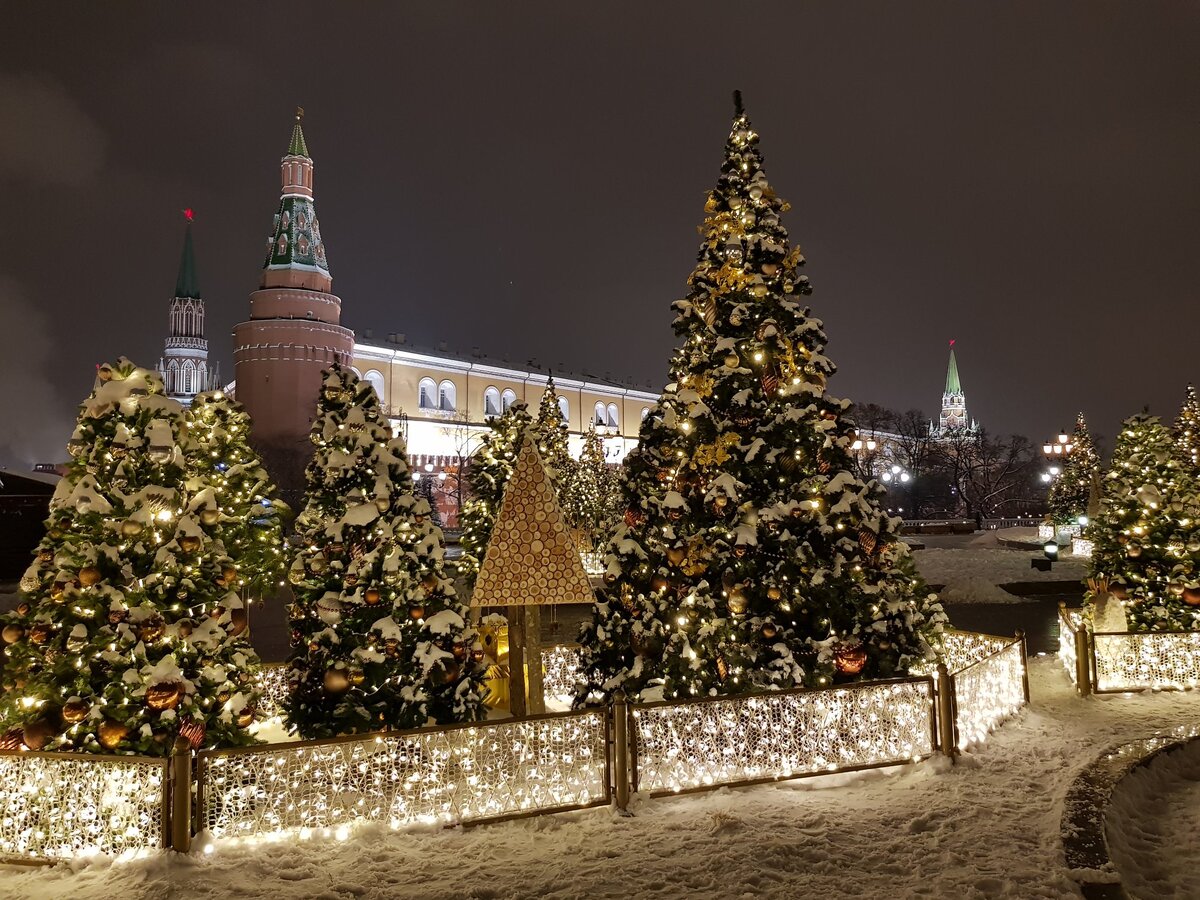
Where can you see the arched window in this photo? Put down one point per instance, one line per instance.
(427, 394)
(565, 409)
(645, 412)
(357, 373)
(601, 415)
(507, 399)
(613, 421)
(447, 396)
(375, 377)
(491, 402)
(187, 376)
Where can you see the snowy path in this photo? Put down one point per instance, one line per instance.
(1154, 823)
(988, 827)
(971, 573)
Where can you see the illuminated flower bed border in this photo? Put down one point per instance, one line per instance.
(1120, 662)
(59, 805)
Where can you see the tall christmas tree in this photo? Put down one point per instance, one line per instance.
(1187, 432)
(1147, 534)
(750, 556)
(129, 630)
(491, 467)
(591, 497)
(252, 513)
(379, 638)
(1081, 467)
(552, 434)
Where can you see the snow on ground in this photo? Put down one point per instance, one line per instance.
(1154, 824)
(987, 827)
(972, 573)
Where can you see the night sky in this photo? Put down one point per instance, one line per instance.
(527, 178)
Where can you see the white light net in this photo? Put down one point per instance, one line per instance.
(987, 693)
(1068, 623)
(561, 664)
(781, 735)
(60, 808)
(1127, 662)
(272, 681)
(450, 776)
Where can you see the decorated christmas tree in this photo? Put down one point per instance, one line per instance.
(1081, 467)
(1187, 432)
(551, 430)
(252, 514)
(129, 630)
(591, 497)
(379, 638)
(1147, 534)
(490, 469)
(750, 556)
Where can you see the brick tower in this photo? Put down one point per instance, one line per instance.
(293, 331)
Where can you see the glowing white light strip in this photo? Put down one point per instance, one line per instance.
(451, 776)
(1068, 624)
(561, 664)
(987, 693)
(1147, 660)
(272, 681)
(780, 736)
(64, 808)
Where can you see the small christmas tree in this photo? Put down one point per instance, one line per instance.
(552, 433)
(491, 467)
(751, 557)
(379, 638)
(223, 460)
(591, 496)
(1081, 467)
(1147, 533)
(130, 631)
(1187, 432)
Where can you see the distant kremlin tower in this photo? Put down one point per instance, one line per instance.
(954, 404)
(184, 363)
(293, 331)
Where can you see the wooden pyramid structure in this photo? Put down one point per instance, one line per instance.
(531, 559)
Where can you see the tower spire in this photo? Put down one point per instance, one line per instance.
(295, 252)
(952, 383)
(954, 400)
(184, 364)
(297, 147)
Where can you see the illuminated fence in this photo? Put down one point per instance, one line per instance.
(272, 681)
(561, 664)
(1113, 662)
(785, 734)
(66, 805)
(453, 775)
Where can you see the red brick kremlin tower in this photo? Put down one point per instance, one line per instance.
(293, 331)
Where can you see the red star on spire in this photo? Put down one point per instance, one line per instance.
(190, 215)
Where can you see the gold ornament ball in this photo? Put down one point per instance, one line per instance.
(769, 630)
(1133, 551)
(371, 596)
(164, 695)
(189, 543)
(774, 593)
(210, 516)
(732, 361)
(1191, 596)
(238, 621)
(737, 601)
(337, 681)
(89, 575)
(131, 528)
(850, 659)
(37, 734)
(40, 633)
(246, 717)
(13, 633)
(75, 710)
(416, 611)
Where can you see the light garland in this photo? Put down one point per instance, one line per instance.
(67, 807)
(783, 735)
(1158, 661)
(272, 683)
(561, 666)
(987, 693)
(450, 776)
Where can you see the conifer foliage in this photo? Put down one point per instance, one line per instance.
(1081, 467)
(130, 631)
(591, 497)
(750, 556)
(1187, 432)
(1147, 535)
(380, 639)
(252, 514)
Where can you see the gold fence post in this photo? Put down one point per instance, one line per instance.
(945, 711)
(181, 796)
(1024, 664)
(620, 714)
(1083, 669)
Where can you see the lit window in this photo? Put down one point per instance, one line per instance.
(601, 415)
(565, 408)
(613, 420)
(447, 396)
(491, 402)
(427, 394)
(508, 398)
(645, 411)
(375, 378)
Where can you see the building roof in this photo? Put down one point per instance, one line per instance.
(952, 383)
(186, 284)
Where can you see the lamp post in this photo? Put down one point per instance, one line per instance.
(864, 450)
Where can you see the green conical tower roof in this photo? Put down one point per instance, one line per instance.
(297, 147)
(186, 285)
(952, 384)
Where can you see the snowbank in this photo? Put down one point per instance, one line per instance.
(972, 574)
(986, 827)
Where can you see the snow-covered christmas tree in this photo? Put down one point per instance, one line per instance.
(130, 631)
(380, 639)
(252, 514)
(489, 471)
(750, 557)
(591, 495)
(551, 430)
(1080, 468)
(1147, 533)
(1187, 432)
